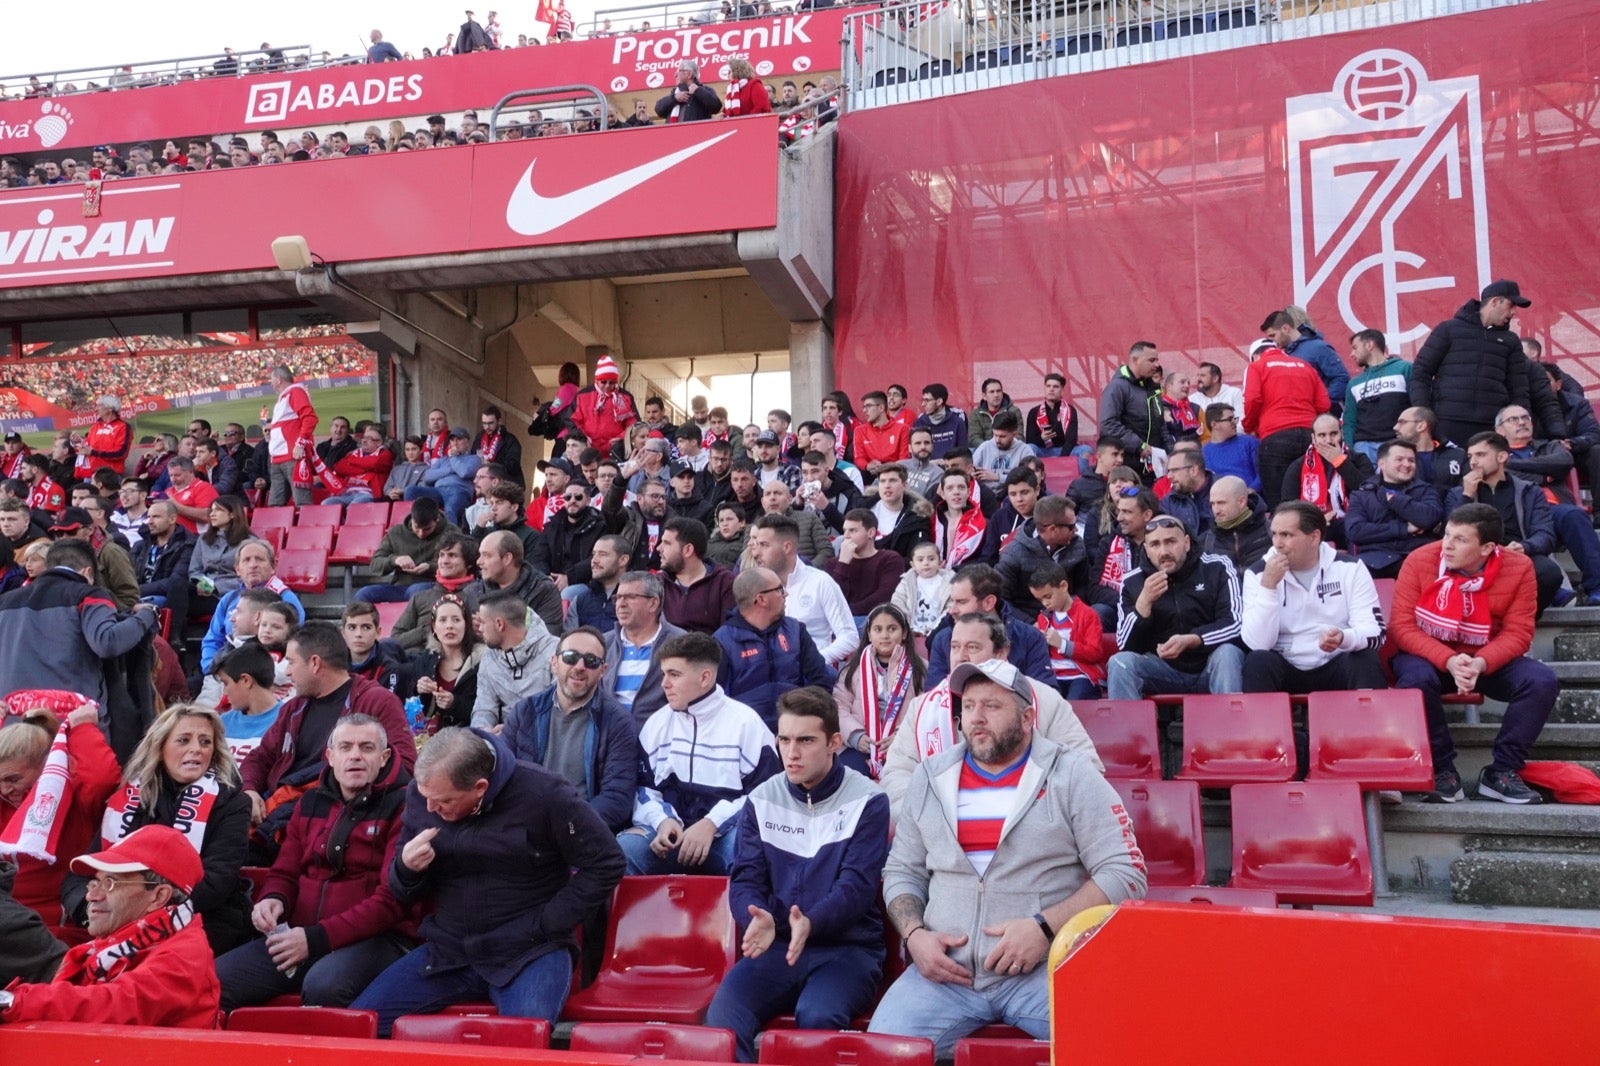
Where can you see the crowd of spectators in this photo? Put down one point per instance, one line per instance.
(70, 381)
(894, 614)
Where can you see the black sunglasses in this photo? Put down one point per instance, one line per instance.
(572, 657)
(1165, 521)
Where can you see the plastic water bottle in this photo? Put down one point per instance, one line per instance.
(283, 927)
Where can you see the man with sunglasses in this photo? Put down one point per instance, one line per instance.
(562, 553)
(1179, 621)
(574, 729)
(765, 653)
(148, 962)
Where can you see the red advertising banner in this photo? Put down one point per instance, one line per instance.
(1378, 179)
(555, 190)
(629, 62)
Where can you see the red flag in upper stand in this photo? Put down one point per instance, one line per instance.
(546, 12)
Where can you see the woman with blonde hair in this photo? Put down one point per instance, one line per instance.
(92, 776)
(746, 93)
(181, 775)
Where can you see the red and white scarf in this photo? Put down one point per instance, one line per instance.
(935, 721)
(1317, 488)
(490, 447)
(103, 959)
(195, 806)
(11, 465)
(1119, 560)
(841, 435)
(35, 828)
(958, 545)
(1455, 608)
(310, 469)
(881, 710)
(434, 445)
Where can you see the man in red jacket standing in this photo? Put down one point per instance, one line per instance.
(148, 963)
(1282, 397)
(604, 410)
(330, 921)
(1463, 618)
(107, 442)
(291, 432)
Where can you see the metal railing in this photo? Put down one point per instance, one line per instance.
(921, 50)
(172, 71)
(556, 94)
(666, 14)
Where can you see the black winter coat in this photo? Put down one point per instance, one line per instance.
(1467, 371)
(1202, 598)
(1379, 518)
(566, 545)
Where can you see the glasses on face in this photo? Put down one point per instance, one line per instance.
(1516, 419)
(577, 498)
(572, 657)
(1224, 418)
(230, 433)
(1165, 521)
(108, 885)
(779, 589)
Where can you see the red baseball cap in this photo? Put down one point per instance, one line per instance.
(158, 848)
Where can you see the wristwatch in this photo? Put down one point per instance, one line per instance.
(6, 999)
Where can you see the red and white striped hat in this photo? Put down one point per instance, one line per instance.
(605, 369)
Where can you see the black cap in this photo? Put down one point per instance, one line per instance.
(72, 519)
(560, 463)
(1508, 289)
(13, 438)
(681, 468)
(766, 436)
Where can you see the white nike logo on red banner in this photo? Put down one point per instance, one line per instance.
(531, 214)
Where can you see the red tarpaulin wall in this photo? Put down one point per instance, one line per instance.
(1048, 225)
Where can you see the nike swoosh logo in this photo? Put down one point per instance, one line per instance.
(531, 214)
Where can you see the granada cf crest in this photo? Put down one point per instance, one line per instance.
(1386, 194)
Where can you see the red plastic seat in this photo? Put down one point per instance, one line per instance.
(815, 1048)
(304, 569)
(388, 615)
(1059, 472)
(305, 1021)
(997, 1031)
(1233, 739)
(1378, 739)
(1305, 841)
(1221, 897)
(472, 1010)
(655, 1040)
(257, 876)
(668, 944)
(309, 538)
(978, 1052)
(1125, 734)
(368, 514)
(265, 519)
(356, 544)
(468, 1029)
(320, 514)
(1166, 823)
(399, 512)
(1385, 587)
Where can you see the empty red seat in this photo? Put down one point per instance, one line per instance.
(470, 1029)
(669, 941)
(1231, 739)
(368, 514)
(997, 1031)
(310, 538)
(1305, 841)
(655, 1040)
(1378, 739)
(399, 512)
(475, 1010)
(1125, 734)
(974, 1051)
(1059, 472)
(356, 544)
(1166, 823)
(304, 569)
(320, 514)
(1385, 587)
(265, 519)
(305, 1021)
(814, 1048)
(388, 615)
(1222, 897)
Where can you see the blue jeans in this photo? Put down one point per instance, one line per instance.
(641, 860)
(353, 494)
(1368, 448)
(1528, 687)
(1079, 688)
(249, 978)
(1133, 676)
(539, 990)
(453, 498)
(825, 989)
(916, 1006)
(391, 593)
(1576, 531)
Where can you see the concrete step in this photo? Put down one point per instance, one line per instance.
(1527, 879)
(1559, 742)
(1577, 645)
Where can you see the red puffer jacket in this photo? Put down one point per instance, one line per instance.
(330, 871)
